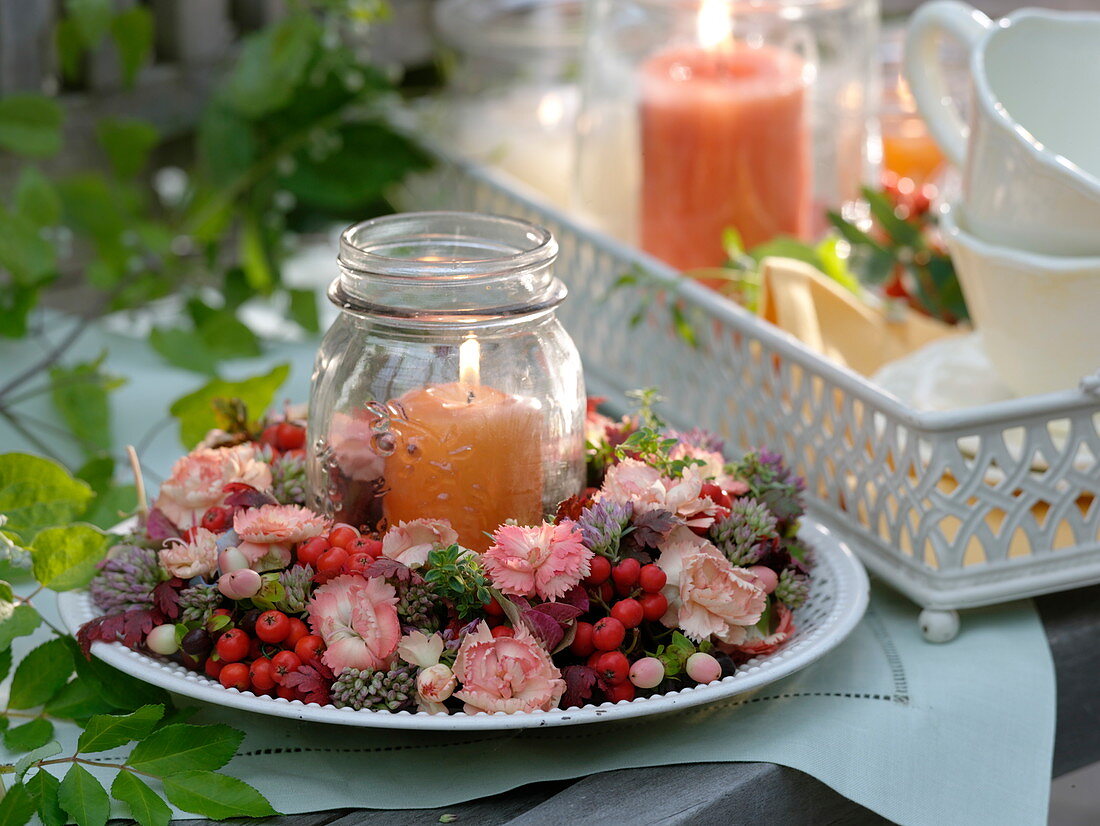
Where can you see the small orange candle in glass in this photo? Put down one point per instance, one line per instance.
(467, 453)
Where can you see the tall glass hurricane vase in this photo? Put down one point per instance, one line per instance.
(446, 388)
(702, 116)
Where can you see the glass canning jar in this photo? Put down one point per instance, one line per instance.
(446, 388)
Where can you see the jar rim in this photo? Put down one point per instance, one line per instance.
(519, 245)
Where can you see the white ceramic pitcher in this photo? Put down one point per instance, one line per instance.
(1030, 155)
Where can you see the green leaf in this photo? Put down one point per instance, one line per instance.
(226, 147)
(31, 735)
(36, 199)
(41, 674)
(23, 765)
(5, 668)
(78, 700)
(70, 48)
(65, 558)
(215, 796)
(36, 493)
(271, 64)
(28, 256)
(120, 691)
(146, 807)
(183, 747)
(303, 309)
(127, 142)
(30, 125)
(80, 395)
(132, 32)
(17, 807)
(111, 506)
(256, 259)
(183, 348)
(370, 159)
(108, 731)
(91, 17)
(43, 788)
(196, 412)
(16, 621)
(900, 231)
(226, 336)
(83, 798)
(16, 303)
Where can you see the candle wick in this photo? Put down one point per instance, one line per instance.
(469, 397)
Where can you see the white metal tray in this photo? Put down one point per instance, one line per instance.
(954, 509)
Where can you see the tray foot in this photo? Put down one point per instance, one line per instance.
(939, 626)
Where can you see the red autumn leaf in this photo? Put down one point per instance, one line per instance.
(241, 495)
(559, 611)
(577, 597)
(159, 527)
(129, 628)
(313, 680)
(572, 507)
(546, 629)
(166, 597)
(580, 680)
(386, 568)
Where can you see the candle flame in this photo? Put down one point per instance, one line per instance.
(551, 110)
(469, 362)
(714, 25)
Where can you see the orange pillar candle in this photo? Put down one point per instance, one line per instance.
(467, 453)
(725, 143)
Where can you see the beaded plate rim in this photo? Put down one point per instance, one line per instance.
(838, 599)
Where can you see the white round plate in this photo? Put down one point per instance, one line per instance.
(838, 598)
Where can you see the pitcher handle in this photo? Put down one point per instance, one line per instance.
(924, 70)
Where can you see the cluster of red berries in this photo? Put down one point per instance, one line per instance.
(284, 437)
(632, 595)
(344, 551)
(260, 661)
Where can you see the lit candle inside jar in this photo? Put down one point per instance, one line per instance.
(467, 453)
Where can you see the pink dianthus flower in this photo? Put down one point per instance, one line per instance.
(544, 560)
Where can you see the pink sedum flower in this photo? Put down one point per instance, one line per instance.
(267, 533)
(199, 557)
(545, 560)
(410, 542)
(707, 596)
(357, 619)
(198, 480)
(509, 674)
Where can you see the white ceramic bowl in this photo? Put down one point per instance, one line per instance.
(1039, 315)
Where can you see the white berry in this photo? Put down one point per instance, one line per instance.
(162, 640)
(703, 668)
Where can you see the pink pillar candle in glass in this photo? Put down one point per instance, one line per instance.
(725, 143)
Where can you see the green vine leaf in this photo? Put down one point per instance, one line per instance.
(132, 32)
(146, 807)
(78, 700)
(197, 413)
(65, 558)
(16, 621)
(271, 64)
(117, 691)
(215, 796)
(17, 807)
(23, 765)
(37, 493)
(43, 788)
(36, 199)
(92, 19)
(127, 142)
(80, 396)
(30, 125)
(29, 736)
(184, 747)
(82, 796)
(40, 675)
(104, 732)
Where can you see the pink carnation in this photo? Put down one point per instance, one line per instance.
(267, 533)
(684, 498)
(410, 542)
(199, 557)
(198, 480)
(545, 560)
(707, 596)
(508, 674)
(643, 486)
(357, 619)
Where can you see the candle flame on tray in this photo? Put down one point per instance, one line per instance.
(469, 362)
(714, 25)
